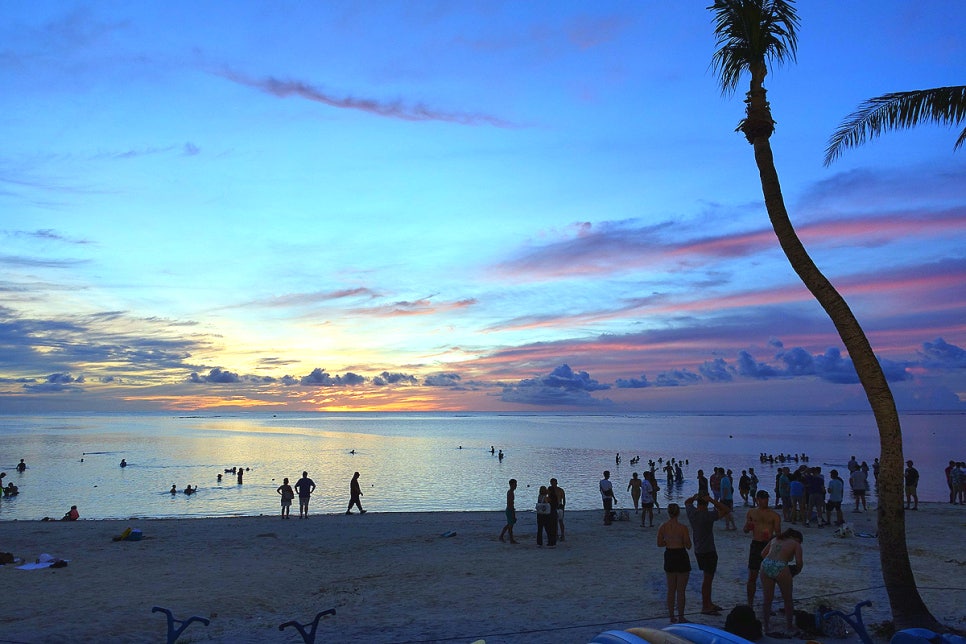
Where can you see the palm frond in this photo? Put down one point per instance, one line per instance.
(751, 31)
(897, 111)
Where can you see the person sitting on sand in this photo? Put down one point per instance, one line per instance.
(72, 514)
(775, 569)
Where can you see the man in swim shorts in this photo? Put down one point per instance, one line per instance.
(702, 521)
(304, 487)
(511, 513)
(763, 524)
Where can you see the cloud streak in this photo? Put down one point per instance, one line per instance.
(386, 109)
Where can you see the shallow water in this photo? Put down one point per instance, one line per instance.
(412, 462)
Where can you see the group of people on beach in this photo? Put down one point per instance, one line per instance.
(551, 500)
(304, 488)
(803, 496)
(774, 557)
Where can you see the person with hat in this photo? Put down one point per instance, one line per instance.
(763, 523)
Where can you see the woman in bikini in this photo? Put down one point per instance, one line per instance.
(675, 538)
(776, 569)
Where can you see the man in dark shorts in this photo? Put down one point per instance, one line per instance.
(511, 513)
(304, 488)
(702, 521)
(912, 482)
(763, 524)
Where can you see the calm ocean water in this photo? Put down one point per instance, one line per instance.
(414, 462)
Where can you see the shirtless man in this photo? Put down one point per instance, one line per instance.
(764, 524)
(561, 502)
(511, 513)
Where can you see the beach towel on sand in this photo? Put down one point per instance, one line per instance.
(44, 561)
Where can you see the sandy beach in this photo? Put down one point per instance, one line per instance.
(394, 577)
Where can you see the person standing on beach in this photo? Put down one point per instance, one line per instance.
(355, 494)
(287, 494)
(836, 492)
(949, 481)
(673, 536)
(763, 524)
(702, 521)
(511, 513)
(727, 500)
(859, 481)
(607, 496)
(543, 517)
(714, 482)
(304, 487)
(744, 485)
(785, 492)
(634, 486)
(655, 488)
(647, 502)
(702, 483)
(796, 491)
(815, 496)
(561, 497)
(912, 482)
(776, 569)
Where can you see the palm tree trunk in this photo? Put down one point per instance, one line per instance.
(908, 608)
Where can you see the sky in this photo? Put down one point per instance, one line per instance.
(463, 205)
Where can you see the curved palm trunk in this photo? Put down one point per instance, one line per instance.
(908, 608)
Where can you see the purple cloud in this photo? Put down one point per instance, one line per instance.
(393, 109)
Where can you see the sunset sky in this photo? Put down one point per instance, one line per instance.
(466, 205)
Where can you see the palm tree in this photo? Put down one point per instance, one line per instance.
(896, 111)
(750, 35)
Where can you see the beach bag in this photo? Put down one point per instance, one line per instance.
(741, 621)
(543, 508)
(806, 622)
